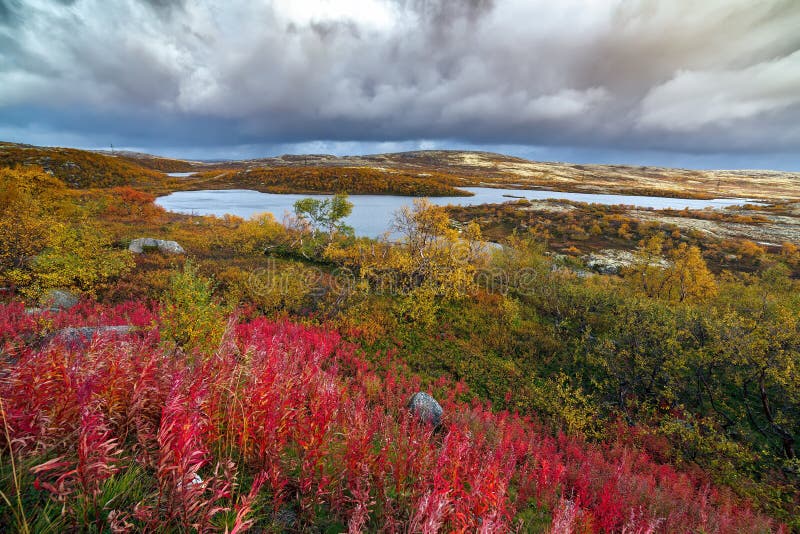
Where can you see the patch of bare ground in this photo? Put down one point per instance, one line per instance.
(548, 206)
(779, 229)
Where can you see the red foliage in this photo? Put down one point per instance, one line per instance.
(97, 458)
(321, 432)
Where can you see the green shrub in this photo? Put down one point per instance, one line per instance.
(192, 319)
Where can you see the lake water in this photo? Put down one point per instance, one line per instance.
(372, 214)
(180, 174)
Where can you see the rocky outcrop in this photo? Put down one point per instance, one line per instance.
(426, 408)
(609, 261)
(139, 245)
(612, 261)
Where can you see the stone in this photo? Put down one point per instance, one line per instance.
(612, 261)
(60, 299)
(286, 518)
(81, 336)
(426, 408)
(169, 247)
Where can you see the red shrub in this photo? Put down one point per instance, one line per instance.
(322, 435)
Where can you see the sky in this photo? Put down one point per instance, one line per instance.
(684, 83)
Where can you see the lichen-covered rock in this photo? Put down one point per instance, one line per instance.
(81, 336)
(170, 247)
(60, 299)
(54, 301)
(426, 408)
(612, 261)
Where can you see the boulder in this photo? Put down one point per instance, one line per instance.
(169, 247)
(426, 408)
(60, 299)
(81, 336)
(54, 301)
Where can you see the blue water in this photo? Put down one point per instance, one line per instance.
(373, 214)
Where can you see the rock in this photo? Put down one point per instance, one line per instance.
(137, 246)
(54, 301)
(169, 247)
(60, 299)
(612, 261)
(609, 261)
(426, 408)
(286, 518)
(78, 337)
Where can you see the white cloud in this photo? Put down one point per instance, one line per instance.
(694, 99)
(566, 103)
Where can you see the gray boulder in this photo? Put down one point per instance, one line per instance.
(60, 299)
(81, 336)
(53, 301)
(169, 247)
(426, 408)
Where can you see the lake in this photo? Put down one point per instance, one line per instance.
(372, 214)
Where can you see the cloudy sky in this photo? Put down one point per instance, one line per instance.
(711, 83)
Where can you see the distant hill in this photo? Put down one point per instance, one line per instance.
(81, 168)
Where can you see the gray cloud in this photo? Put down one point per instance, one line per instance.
(622, 75)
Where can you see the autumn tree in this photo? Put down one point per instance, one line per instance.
(791, 255)
(433, 261)
(752, 370)
(647, 272)
(326, 215)
(682, 276)
(688, 276)
(29, 205)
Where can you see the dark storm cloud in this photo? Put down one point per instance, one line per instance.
(8, 11)
(623, 75)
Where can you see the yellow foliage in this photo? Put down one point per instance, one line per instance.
(684, 277)
(190, 317)
(432, 262)
(748, 249)
(284, 287)
(253, 235)
(78, 257)
(46, 242)
(689, 276)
